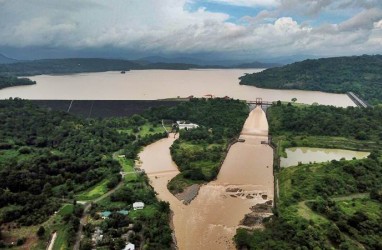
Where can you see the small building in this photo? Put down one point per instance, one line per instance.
(105, 214)
(129, 246)
(123, 212)
(184, 125)
(97, 235)
(138, 205)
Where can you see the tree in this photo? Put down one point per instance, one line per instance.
(86, 245)
(41, 232)
(294, 99)
(47, 189)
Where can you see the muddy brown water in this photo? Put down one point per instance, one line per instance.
(211, 220)
(307, 155)
(160, 84)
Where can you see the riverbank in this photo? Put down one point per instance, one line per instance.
(245, 179)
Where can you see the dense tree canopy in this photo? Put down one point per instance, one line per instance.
(9, 81)
(351, 122)
(359, 74)
(45, 155)
(199, 152)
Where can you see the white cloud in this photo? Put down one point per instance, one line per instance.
(167, 26)
(248, 3)
(378, 25)
(363, 20)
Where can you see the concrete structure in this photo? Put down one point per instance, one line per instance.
(105, 214)
(129, 246)
(138, 205)
(97, 235)
(184, 125)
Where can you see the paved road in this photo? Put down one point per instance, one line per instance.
(51, 243)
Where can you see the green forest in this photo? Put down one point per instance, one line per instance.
(82, 65)
(199, 152)
(49, 159)
(324, 205)
(359, 74)
(9, 81)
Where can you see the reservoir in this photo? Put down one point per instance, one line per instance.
(245, 179)
(161, 84)
(307, 155)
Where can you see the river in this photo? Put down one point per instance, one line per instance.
(307, 155)
(161, 84)
(245, 179)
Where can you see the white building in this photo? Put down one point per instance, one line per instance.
(129, 246)
(184, 125)
(138, 205)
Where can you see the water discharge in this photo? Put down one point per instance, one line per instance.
(245, 179)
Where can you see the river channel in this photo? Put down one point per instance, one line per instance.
(245, 179)
(161, 84)
(307, 155)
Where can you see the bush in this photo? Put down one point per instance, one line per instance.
(41, 232)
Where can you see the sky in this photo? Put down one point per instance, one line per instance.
(225, 29)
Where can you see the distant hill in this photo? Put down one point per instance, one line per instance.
(81, 65)
(206, 62)
(4, 59)
(66, 66)
(255, 65)
(179, 60)
(359, 74)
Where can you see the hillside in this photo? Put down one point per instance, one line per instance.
(5, 59)
(359, 74)
(65, 66)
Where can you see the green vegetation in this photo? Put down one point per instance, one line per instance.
(81, 65)
(94, 192)
(327, 205)
(144, 129)
(199, 152)
(48, 158)
(359, 74)
(148, 226)
(325, 126)
(66, 66)
(10, 81)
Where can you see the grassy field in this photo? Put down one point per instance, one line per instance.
(54, 224)
(126, 164)
(94, 192)
(11, 155)
(60, 228)
(304, 211)
(371, 208)
(144, 130)
(146, 212)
